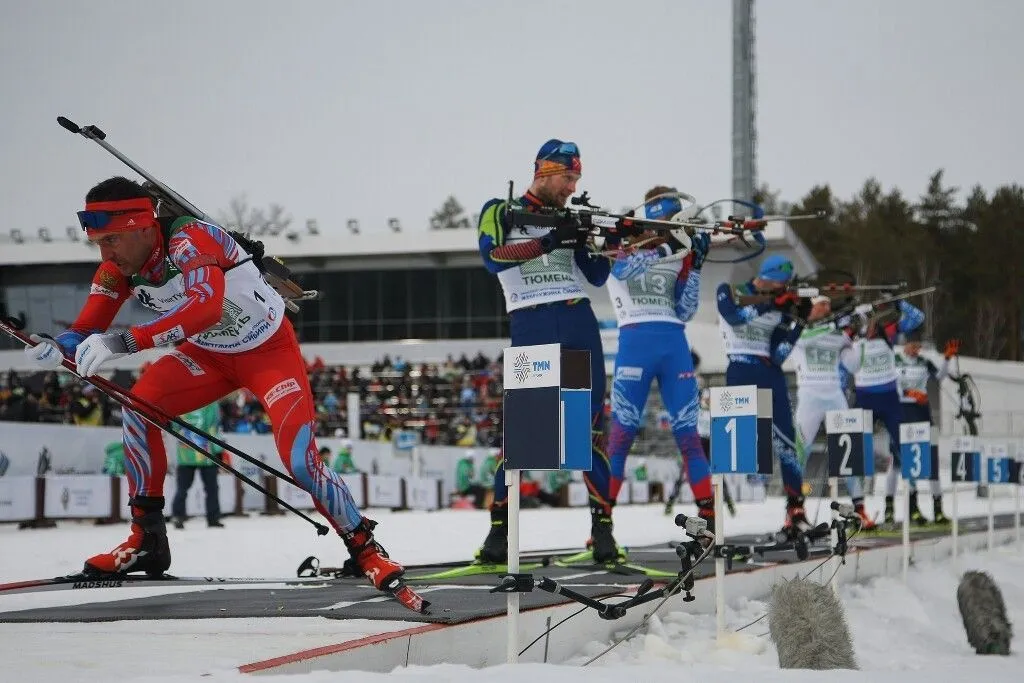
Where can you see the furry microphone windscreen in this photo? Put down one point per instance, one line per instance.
(989, 630)
(807, 625)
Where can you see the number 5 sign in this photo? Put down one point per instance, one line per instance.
(734, 430)
(846, 437)
(916, 450)
(997, 470)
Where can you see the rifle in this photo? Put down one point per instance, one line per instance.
(803, 290)
(870, 307)
(171, 205)
(595, 222)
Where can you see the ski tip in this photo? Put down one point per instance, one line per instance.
(68, 124)
(411, 599)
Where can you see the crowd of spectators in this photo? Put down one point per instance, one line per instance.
(457, 402)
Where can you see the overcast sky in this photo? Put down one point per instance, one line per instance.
(339, 109)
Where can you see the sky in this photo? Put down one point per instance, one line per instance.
(338, 109)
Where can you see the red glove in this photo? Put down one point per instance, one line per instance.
(952, 348)
(918, 396)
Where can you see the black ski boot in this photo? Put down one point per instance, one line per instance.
(495, 547)
(939, 517)
(916, 517)
(146, 549)
(601, 542)
(889, 520)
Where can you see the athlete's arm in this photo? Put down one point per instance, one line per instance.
(734, 314)
(497, 254)
(108, 292)
(202, 253)
(687, 291)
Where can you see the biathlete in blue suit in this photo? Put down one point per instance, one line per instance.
(654, 297)
(758, 339)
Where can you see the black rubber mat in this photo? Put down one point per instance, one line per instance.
(453, 600)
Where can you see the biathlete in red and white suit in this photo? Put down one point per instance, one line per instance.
(211, 297)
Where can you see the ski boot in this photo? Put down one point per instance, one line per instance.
(796, 519)
(601, 541)
(889, 520)
(916, 517)
(706, 511)
(369, 558)
(939, 517)
(146, 549)
(866, 522)
(495, 547)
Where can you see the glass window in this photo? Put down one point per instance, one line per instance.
(394, 294)
(457, 295)
(391, 329)
(365, 331)
(423, 286)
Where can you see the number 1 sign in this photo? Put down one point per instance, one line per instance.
(734, 430)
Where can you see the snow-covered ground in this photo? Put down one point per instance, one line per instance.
(901, 632)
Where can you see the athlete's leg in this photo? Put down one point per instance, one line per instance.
(184, 380)
(276, 373)
(634, 369)
(680, 394)
(784, 436)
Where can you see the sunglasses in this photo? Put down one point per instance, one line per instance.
(564, 149)
(114, 220)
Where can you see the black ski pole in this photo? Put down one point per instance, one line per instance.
(125, 400)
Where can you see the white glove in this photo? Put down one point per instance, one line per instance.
(97, 349)
(45, 353)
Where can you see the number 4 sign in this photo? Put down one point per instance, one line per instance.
(734, 429)
(966, 464)
(916, 450)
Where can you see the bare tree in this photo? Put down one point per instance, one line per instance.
(249, 220)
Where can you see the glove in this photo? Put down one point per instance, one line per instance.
(918, 396)
(786, 301)
(45, 353)
(952, 348)
(568, 235)
(634, 264)
(97, 349)
(699, 245)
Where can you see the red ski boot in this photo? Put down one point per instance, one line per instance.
(371, 560)
(146, 549)
(369, 557)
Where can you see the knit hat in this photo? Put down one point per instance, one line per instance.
(555, 157)
(776, 268)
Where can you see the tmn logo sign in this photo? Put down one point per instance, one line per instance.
(541, 365)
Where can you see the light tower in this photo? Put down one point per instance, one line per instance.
(744, 133)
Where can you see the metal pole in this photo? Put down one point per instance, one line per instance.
(512, 480)
(716, 481)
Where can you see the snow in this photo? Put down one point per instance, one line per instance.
(902, 632)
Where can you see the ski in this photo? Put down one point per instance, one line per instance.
(79, 581)
(896, 531)
(471, 569)
(397, 589)
(621, 565)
